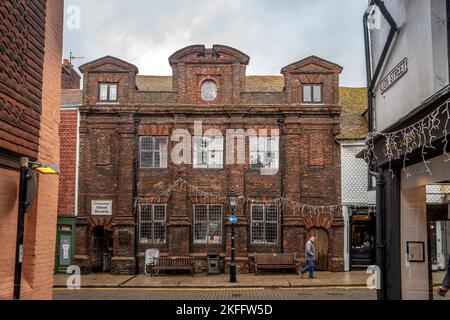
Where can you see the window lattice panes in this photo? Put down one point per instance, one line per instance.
(208, 152)
(152, 224)
(107, 92)
(264, 225)
(312, 93)
(153, 152)
(207, 224)
(264, 152)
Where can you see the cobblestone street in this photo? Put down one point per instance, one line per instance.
(217, 294)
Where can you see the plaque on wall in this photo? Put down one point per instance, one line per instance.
(123, 237)
(415, 251)
(101, 207)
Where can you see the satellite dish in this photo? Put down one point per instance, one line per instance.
(30, 193)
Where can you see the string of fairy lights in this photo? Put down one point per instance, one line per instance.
(198, 195)
(398, 145)
(420, 135)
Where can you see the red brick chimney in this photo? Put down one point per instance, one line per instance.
(70, 79)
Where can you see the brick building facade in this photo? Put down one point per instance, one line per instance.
(30, 56)
(71, 98)
(127, 132)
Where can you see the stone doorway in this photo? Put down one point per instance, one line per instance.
(321, 246)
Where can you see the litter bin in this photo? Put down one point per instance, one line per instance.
(213, 263)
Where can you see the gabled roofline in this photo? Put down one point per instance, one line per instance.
(105, 59)
(201, 49)
(313, 59)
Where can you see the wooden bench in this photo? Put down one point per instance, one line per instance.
(276, 261)
(172, 263)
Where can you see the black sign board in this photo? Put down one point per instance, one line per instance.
(399, 71)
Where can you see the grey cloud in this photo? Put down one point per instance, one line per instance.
(273, 33)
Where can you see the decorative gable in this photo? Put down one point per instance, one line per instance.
(312, 71)
(108, 70)
(312, 64)
(209, 76)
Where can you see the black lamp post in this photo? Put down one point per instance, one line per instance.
(233, 201)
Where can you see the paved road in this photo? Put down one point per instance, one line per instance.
(216, 294)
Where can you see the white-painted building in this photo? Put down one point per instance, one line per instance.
(408, 65)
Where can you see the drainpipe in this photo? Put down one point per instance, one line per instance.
(372, 79)
(281, 126)
(381, 239)
(135, 191)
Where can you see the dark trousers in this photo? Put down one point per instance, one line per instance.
(311, 265)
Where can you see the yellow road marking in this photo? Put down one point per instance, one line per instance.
(160, 289)
(324, 288)
(209, 289)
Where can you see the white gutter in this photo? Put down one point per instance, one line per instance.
(77, 162)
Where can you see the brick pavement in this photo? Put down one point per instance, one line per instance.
(283, 280)
(215, 294)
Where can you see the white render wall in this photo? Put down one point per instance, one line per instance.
(422, 39)
(354, 175)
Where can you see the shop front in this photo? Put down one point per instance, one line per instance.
(362, 235)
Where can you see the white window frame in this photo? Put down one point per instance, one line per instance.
(260, 148)
(105, 97)
(152, 221)
(207, 240)
(264, 223)
(212, 148)
(162, 152)
(311, 88)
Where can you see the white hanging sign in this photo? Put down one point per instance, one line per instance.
(101, 207)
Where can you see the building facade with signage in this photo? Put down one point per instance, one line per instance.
(156, 166)
(407, 47)
(30, 57)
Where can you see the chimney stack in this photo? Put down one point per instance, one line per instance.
(70, 79)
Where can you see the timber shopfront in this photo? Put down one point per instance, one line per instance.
(408, 144)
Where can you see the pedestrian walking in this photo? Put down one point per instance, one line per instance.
(445, 286)
(310, 256)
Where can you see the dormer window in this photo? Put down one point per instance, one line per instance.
(312, 93)
(108, 92)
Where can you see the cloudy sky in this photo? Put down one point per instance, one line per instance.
(273, 33)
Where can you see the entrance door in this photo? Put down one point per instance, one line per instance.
(321, 246)
(97, 249)
(101, 249)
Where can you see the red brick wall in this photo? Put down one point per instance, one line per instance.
(30, 128)
(68, 153)
(69, 77)
(311, 154)
(40, 223)
(21, 32)
(9, 188)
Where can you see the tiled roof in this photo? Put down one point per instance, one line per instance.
(264, 83)
(71, 97)
(154, 83)
(353, 123)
